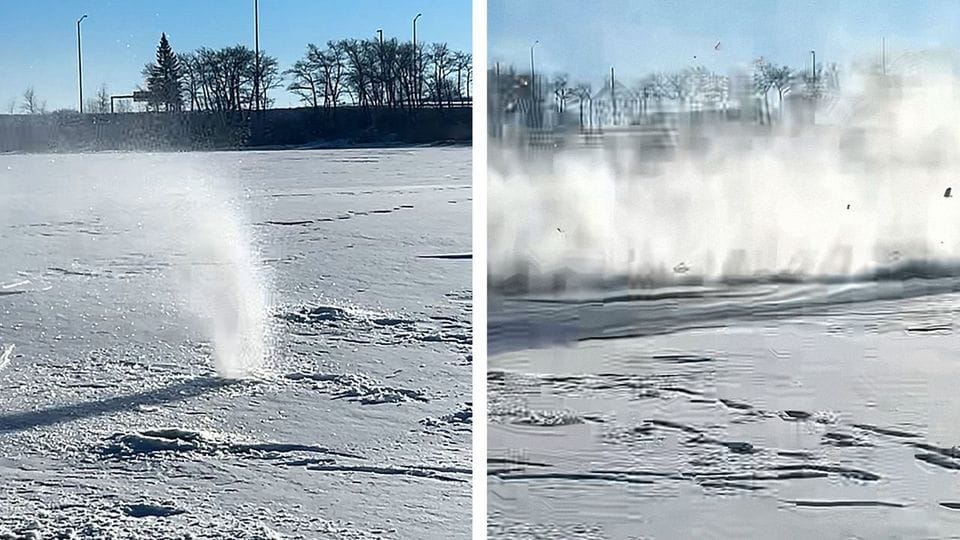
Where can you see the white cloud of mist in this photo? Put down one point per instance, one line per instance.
(752, 205)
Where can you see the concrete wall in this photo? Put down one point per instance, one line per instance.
(226, 130)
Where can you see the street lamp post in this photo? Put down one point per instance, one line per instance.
(416, 58)
(883, 56)
(80, 63)
(814, 68)
(533, 84)
(613, 97)
(256, 58)
(498, 119)
(533, 71)
(815, 91)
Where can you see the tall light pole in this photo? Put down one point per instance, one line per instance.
(814, 53)
(533, 83)
(416, 58)
(256, 52)
(815, 92)
(613, 96)
(498, 119)
(533, 71)
(883, 56)
(80, 62)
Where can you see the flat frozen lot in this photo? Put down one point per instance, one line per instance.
(124, 274)
(805, 410)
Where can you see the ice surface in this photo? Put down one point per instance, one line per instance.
(114, 420)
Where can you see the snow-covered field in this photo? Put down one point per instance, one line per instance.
(749, 411)
(235, 345)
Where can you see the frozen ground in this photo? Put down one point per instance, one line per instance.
(126, 277)
(737, 411)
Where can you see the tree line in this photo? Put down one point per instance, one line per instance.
(381, 74)
(353, 72)
(688, 88)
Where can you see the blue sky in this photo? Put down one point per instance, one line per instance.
(38, 37)
(584, 39)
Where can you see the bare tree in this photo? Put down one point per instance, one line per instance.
(678, 86)
(360, 70)
(269, 78)
(781, 78)
(381, 74)
(222, 80)
(761, 86)
(583, 93)
(319, 77)
(469, 70)
(191, 73)
(560, 91)
(103, 98)
(101, 102)
(307, 82)
(462, 62)
(31, 104)
(442, 62)
(332, 62)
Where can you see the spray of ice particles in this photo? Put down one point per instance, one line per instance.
(224, 283)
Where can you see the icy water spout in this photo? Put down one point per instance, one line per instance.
(225, 285)
(233, 298)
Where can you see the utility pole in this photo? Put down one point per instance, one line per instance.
(815, 92)
(534, 107)
(883, 56)
(498, 120)
(256, 52)
(416, 60)
(80, 63)
(814, 53)
(613, 97)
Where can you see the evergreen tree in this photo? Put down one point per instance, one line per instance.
(165, 79)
